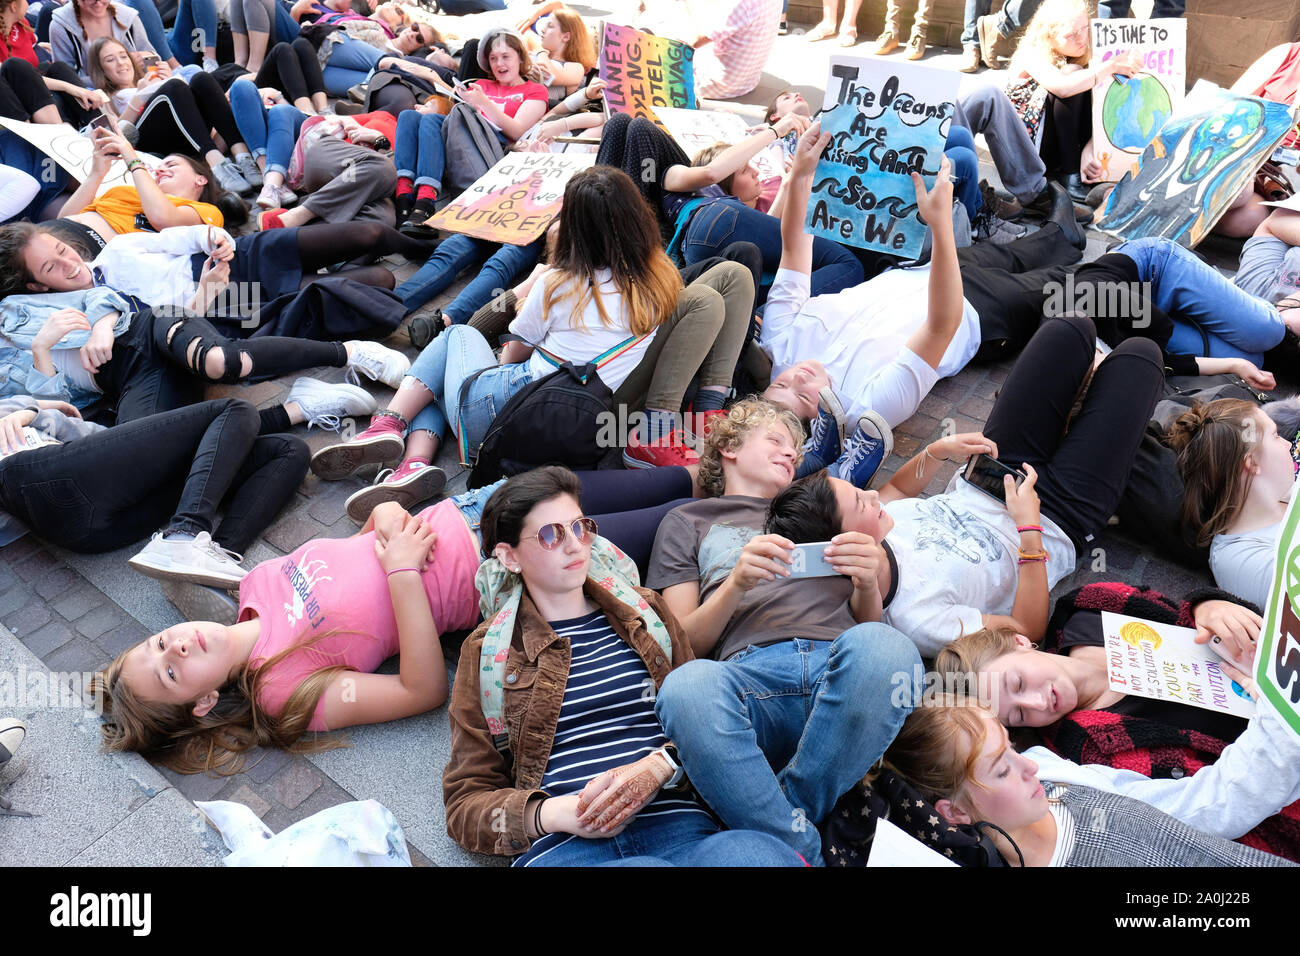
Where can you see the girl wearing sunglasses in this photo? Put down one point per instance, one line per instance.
(572, 652)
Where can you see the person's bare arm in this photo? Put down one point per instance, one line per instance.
(946, 306)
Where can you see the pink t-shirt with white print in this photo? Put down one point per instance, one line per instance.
(336, 587)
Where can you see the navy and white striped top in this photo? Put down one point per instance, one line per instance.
(607, 720)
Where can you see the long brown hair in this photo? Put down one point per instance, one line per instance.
(217, 741)
(579, 49)
(605, 224)
(1212, 442)
(96, 69)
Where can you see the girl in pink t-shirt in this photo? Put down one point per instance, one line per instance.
(312, 627)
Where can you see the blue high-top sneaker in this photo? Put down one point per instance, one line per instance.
(864, 452)
(826, 435)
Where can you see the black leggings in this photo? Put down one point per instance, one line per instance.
(173, 470)
(1082, 472)
(1067, 127)
(323, 244)
(179, 117)
(293, 69)
(606, 495)
(147, 374)
(23, 91)
(392, 98)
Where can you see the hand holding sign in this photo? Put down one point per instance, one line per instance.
(812, 144)
(935, 204)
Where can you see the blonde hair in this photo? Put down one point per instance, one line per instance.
(972, 653)
(939, 744)
(1212, 441)
(217, 741)
(1040, 36)
(728, 432)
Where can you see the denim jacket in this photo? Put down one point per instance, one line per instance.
(21, 319)
(485, 799)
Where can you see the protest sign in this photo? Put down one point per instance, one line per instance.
(1195, 167)
(72, 151)
(1164, 662)
(515, 200)
(644, 72)
(1127, 112)
(1277, 654)
(886, 120)
(695, 130)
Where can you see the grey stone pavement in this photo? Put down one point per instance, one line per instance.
(70, 614)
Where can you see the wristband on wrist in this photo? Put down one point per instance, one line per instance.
(537, 818)
(399, 570)
(134, 164)
(1030, 555)
(1029, 527)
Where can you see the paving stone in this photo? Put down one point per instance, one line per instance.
(28, 618)
(196, 786)
(327, 504)
(18, 550)
(953, 389)
(7, 576)
(976, 408)
(122, 637)
(290, 533)
(37, 565)
(77, 655)
(905, 446)
(918, 426)
(18, 596)
(45, 639)
(245, 795)
(263, 764)
(78, 601)
(56, 583)
(295, 783)
(101, 619)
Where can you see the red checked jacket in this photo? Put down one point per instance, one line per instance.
(485, 802)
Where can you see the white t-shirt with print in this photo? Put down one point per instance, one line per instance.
(956, 555)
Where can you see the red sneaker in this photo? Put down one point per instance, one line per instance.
(700, 424)
(381, 443)
(270, 219)
(663, 452)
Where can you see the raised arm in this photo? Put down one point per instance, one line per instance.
(796, 243)
(687, 179)
(944, 313)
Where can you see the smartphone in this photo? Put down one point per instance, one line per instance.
(1221, 649)
(810, 561)
(101, 122)
(986, 474)
(149, 59)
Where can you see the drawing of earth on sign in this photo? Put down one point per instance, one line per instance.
(1133, 112)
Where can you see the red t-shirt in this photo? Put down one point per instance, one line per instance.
(21, 42)
(510, 98)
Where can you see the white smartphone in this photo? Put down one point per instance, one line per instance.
(810, 561)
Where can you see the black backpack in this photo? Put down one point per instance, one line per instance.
(555, 420)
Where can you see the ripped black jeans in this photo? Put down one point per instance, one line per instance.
(163, 361)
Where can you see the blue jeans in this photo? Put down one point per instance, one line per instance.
(501, 263)
(195, 26)
(685, 839)
(286, 27)
(1016, 14)
(350, 63)
(974, 10)
(1199, 299)
(771, 737)
(418, 153)
(270, 133)
(283, 123)
(442, 368)
(960, 150)
(151, 20)
(717, 224)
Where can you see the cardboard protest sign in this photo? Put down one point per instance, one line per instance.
(892, 847)
(886, 120)
(1164, 662)
(1198, 163)
(695, 130)
(72, 151)
(1277, 654)
(1127, 112)
(515, 200)
(645, 72)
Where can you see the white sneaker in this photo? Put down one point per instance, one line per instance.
(326, 405)
(229, 178)
(200, 560)
(376, 362)
(275, 197)
(12, 732)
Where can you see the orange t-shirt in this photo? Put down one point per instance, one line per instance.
(122, 209)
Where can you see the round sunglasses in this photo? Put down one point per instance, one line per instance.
(551, 536)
